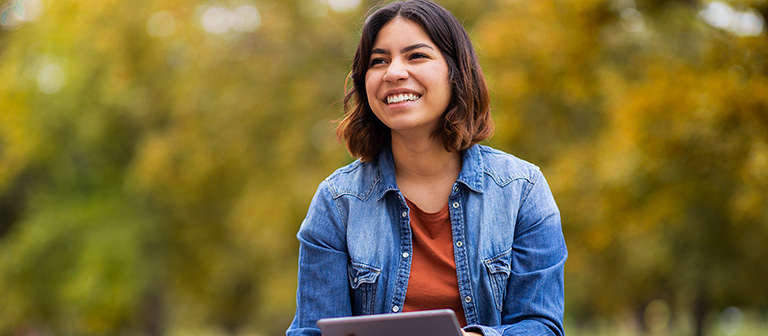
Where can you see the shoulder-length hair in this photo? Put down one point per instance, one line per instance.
(465, 122)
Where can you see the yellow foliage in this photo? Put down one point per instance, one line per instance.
(18, 141)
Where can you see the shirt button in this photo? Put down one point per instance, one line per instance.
(459, 243)
(395, 309)
(456, 188)
(404, 214)
(467, 299)
(405, 254)
(455, 205)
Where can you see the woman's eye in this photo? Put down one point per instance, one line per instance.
(377, 61)
(418, 55)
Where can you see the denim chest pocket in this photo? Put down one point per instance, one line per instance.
(499, 270)
(362, 279)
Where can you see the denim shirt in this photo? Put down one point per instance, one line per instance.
(355, 246)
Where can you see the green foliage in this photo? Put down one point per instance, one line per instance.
(154, 170)
(75, 263)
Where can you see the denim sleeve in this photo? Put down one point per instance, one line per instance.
(534, 304)
(322, 277)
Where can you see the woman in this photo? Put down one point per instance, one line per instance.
(427, 218)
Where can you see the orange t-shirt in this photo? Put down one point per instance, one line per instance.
(433, 283)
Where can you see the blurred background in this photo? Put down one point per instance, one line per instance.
(157, 157)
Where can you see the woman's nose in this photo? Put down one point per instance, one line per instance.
(396, 71)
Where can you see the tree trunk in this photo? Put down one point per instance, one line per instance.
(153, 315)
(700, 311)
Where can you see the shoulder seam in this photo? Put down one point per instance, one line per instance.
(339, 174)
(527, 171)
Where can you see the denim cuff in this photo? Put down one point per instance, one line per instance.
(485, 331)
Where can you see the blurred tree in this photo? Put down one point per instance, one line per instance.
(157, 159)
(652, 124)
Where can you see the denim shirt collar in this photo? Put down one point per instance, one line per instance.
(471, 174)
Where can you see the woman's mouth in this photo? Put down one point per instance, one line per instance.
(399, 98)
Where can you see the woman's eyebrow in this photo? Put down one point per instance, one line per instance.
(416, 46)
(404, 50)
(379, 51)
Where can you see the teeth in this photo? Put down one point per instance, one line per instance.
(401, 98)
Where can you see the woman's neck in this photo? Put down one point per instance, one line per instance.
(424, 159)
(425, 171)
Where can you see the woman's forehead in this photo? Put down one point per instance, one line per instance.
(401, 31)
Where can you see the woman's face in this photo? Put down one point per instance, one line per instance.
(407, 82)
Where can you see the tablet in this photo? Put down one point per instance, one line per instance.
(439, 322)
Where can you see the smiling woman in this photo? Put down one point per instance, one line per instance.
(407, 84)
(427, 218)
(466, 121)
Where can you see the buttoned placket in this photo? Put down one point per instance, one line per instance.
(404, 268)
(460, 254)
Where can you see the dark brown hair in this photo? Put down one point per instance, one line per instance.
(466, 121)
